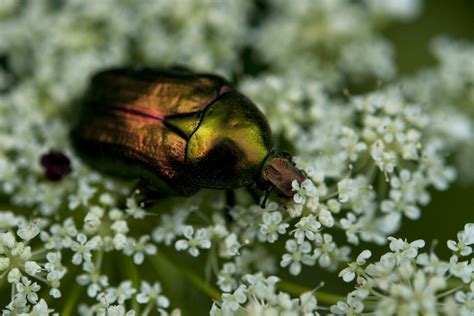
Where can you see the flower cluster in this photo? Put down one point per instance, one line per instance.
(24, 267)
(406, 281)
(258, 295)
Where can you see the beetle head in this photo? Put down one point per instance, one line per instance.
(278, 173)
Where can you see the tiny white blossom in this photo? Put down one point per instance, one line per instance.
(232, 245)
(193, 241)
(28, 231)
(14, 276)
(28, 290)
(296, 255)
(307, 227)
(41, 309)
(232, 302)
(303, 190)
(465, 239)
(225, 279)
(93, 279)
(84, 194)
(348, 274)
(82, 249)
(120, 294)
(134, 210)
(140, 248)
(272, 226)
(32, 268)
(152, 294)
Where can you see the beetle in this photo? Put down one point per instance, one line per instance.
(179, 131)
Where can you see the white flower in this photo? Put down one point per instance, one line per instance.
(324, 249)
(28, 290)
(7, 239)
(32, 268)
(349, 273)
(84, 193)
(466, 299)
(40, 309)
(325, 218)
(55, 269)
(461, 269)
(82, 249)
(14, 276)
(225, 279)
(402, 249)
(307, 227)
(152, 294)
(465, 239)
(4, 263)
(353, 306)
(397, 204)
(352, 228)
(93, 218)
(120, 294)
(28, 231)
(303, 190)
(432, 264)
(120, 227)
(118, 310)
(385, 160)
(232, 245)
(272, 226)
(93, 279)
(170, 227)
(121, 242)
(134, 210)
(347, 190)
(61, 236)
(232, 302)
(296, 255)
(140, 248)
(193, 241)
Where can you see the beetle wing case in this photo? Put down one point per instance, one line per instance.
(121, 129)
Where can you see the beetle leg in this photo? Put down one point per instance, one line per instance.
(268, 190)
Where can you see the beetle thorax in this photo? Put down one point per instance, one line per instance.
(230, 145)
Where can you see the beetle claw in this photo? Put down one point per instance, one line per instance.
(268, 190)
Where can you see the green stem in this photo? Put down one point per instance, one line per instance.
(133, 274)
(71, 301)
(208, 266)
(148, 308)
(161, 260)
(296, 289)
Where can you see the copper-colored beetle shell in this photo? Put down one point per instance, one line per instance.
(139, 123)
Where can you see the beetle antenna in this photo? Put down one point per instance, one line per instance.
(268, 190)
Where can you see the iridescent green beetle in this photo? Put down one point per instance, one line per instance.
(179, 131)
